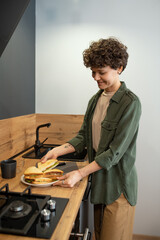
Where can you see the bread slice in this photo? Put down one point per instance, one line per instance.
(53, 173)
(48, 164)
(32, 170)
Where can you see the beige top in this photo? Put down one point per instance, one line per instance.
(99, 115)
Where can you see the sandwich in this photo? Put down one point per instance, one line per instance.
(31, 173)
(53, 173)
(35, 175)
(49, 164)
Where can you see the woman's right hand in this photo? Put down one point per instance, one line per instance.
(58, 151)
(52, 154)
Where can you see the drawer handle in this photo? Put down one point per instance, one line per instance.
(84, 235)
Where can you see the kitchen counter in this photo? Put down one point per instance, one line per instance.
(75, 195)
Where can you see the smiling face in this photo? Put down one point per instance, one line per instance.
(107, 78)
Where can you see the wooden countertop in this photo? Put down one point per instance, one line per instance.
(75, 195)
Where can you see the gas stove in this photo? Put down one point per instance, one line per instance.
(27, 214)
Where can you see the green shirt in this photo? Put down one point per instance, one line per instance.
(117, 147)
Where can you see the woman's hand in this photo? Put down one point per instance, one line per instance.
(58, 151)
(69, 179)
(52, 154)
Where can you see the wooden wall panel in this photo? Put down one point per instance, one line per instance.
(63, 127)
(16, 134)
(19, 133)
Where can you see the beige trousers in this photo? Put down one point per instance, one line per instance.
(114, 221)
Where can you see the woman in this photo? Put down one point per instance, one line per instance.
(109, 132)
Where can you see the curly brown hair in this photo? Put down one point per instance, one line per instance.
(106, 52)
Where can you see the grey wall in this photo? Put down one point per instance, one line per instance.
(63, 85)
(17, 69)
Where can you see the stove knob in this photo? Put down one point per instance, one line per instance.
(45, 215)
(51, 204)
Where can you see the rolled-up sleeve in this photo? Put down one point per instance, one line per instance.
(79, 141)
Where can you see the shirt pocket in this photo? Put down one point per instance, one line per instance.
(109, 126)
(108, 130)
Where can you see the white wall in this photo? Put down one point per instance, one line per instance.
(63, 85)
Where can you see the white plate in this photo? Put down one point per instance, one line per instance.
(37, 185)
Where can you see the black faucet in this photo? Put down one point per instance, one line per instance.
(38, 144)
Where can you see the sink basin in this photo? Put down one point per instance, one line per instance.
(76, 157)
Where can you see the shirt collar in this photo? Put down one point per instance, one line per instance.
(117, 96)
(119, 93)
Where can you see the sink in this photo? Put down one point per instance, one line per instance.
(75, 157)
(42, 151)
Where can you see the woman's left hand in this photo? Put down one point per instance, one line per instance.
(69, 179)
